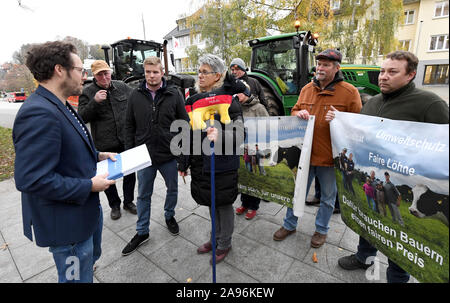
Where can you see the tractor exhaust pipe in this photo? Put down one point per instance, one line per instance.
(166, 61)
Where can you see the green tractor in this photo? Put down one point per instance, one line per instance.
(283, 64)
(128, 57)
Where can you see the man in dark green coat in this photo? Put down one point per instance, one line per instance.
(399, 100)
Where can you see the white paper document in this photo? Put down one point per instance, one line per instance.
(127, 163)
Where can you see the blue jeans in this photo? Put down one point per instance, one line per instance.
(75, 262)
(371, 203)
(328, 191)
(146, 179)
(394, 273)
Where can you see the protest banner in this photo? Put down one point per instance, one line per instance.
(403, 210)
(275, 163)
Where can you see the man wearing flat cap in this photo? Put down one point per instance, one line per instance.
(327, 90)
(103, 104)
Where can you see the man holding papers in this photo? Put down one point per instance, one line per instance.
(55, 165)
(152, 107)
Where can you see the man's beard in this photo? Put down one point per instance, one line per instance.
(69, 88)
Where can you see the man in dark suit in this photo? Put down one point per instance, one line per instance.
(55, 165)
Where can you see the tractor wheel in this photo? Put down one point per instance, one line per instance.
(272, 106)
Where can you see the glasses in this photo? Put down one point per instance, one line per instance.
(204, 73)
(80, 69)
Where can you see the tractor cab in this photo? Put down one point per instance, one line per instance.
(128, 57)
(283, 64)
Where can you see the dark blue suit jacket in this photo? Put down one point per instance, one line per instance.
(55, 162)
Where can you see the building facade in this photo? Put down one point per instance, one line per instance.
(425, 33)
(180, 39)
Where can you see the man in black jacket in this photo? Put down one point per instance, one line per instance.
(103, 104)
(239, 71)
(152, 108)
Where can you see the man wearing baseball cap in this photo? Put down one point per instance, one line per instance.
(326, 90)
(103, 104)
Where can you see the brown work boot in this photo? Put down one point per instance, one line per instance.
(318, 239)
(282, 233)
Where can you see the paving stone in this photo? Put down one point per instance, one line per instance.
(196, 229)
(157, 212)
(240, 223)
(180, 260)
(10, 216)
(226, 273)
(112, 246)
(203, 211)
(322, 257)
(31, 259)
(126, 220)
(268, 208)
(47, 276)
(349, 240)
(8, 270)
(11, 198)
(14, 236)
(7, 186)
(257, 260)
(295, 245)
(335, 233)
(300, 272)
(134, 268)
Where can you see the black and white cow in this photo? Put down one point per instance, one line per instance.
(427, 203)
(291, 154)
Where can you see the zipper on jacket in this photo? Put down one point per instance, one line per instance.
(381, 107)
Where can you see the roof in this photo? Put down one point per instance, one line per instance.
(176, 33)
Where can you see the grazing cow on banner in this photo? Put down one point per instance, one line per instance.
(290, 154)
(427, 203)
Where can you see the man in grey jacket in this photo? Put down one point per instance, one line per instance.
(103, 104)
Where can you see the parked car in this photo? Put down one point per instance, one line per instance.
(17, 97)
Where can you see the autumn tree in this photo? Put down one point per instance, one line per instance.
(359, 28)
(82, 47)
(19, 77)
(96, 52)
(226, 27)
(194, 53)
(379, 29)
(19, 56)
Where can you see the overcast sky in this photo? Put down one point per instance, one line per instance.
(93, 21)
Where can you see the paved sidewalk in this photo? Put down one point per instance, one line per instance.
(255, 257)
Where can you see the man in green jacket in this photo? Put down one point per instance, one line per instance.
(399, 100)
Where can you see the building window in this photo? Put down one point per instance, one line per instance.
(405, 45)
(441, 9)
(409, 17)
(436, 74)
(336, 4)
(439, 43)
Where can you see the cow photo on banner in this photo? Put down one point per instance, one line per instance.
(393, 181)
(275, 162)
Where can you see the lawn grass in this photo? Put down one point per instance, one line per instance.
(7, 154)
(280, 184)
(427, 231)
